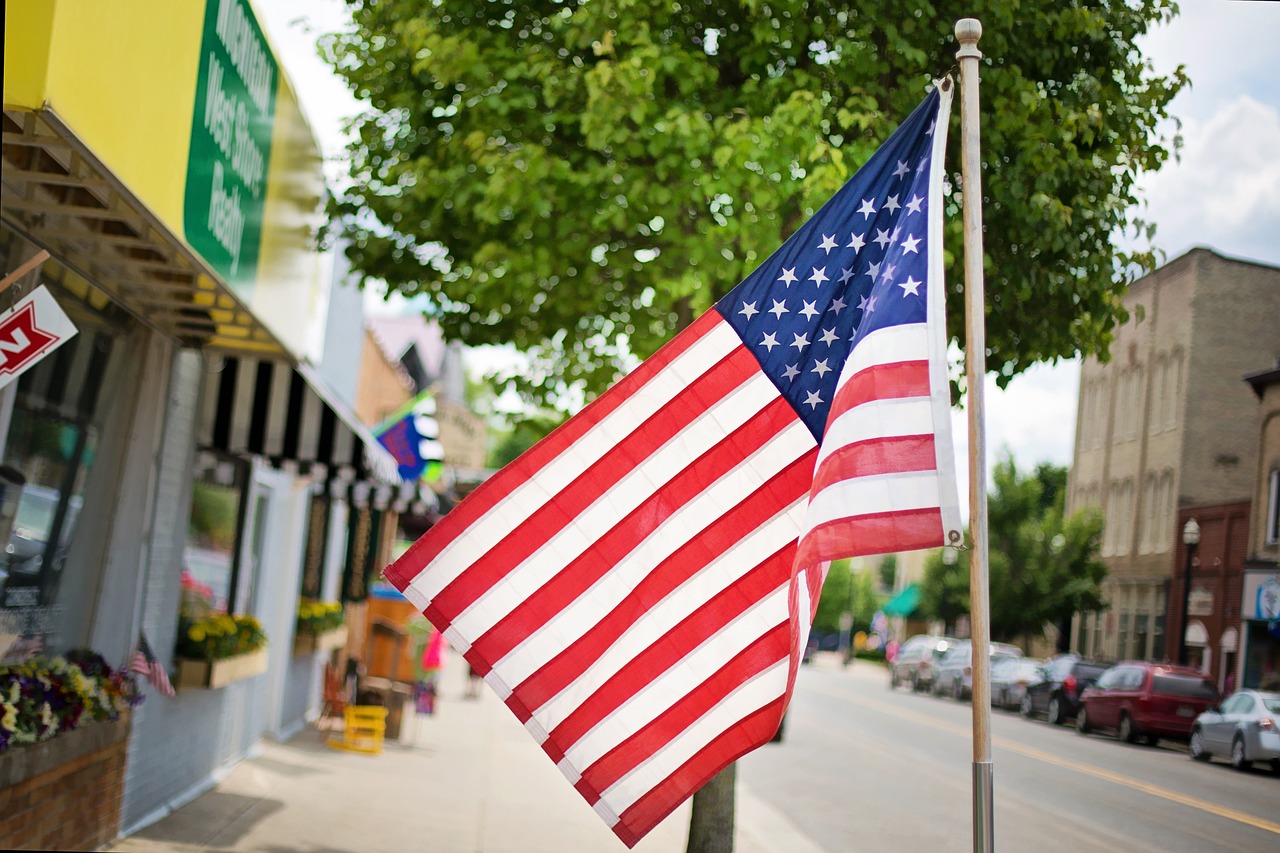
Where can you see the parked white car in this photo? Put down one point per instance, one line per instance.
(1245, 728)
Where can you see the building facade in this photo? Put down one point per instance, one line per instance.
(1260, 596)
(1165, 426)
(180, 455)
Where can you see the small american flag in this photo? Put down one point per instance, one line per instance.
(638, 587)
(144, 663)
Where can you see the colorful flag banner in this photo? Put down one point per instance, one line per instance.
(638, 587)
(412, 436)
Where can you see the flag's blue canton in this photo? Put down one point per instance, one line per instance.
(859, 264)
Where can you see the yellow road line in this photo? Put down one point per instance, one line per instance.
(1079, 767)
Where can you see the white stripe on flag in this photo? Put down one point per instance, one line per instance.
(578, 534)
(596, 602)
(501, 519)
(868, 495)
(751, 696)
(666, 689)
(663, 616)
(878, 419)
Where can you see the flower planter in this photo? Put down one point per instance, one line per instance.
(220, 673)
(23, 761)
(310, 644)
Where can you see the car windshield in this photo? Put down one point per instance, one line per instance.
(1184, 685)
(1089, 670)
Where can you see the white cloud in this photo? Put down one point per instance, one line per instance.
(1225, 191)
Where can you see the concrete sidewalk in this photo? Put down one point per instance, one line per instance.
(469, 778)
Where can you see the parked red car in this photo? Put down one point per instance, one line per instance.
(1148, 701)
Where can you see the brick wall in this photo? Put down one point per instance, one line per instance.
(1218, 568)
(66, 793)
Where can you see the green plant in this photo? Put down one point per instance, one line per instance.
(43, 697)
(317, 617)
(219, 635)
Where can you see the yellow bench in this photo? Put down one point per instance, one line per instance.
(364, 727)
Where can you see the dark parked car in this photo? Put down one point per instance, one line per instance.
(1245, 727)
(1146, 701)
(917, 660)
(1057, 695)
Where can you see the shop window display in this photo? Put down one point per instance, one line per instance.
(210, 581)
(49, 452)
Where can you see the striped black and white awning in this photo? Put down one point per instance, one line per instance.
(286, 413)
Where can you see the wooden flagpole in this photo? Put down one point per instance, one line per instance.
(968, 31)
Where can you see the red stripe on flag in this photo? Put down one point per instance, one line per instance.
(752, 731)
(757, 508)
(892, 381)
(670, 649)
(586, 489)
(772, 646)
(876, 456)
(605, 553)
(402, 572)
(878, 533)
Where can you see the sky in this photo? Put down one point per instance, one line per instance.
(1223, 192)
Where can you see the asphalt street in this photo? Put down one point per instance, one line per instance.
(866, 767)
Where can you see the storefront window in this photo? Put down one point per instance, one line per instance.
(50, 447)
(209, 577)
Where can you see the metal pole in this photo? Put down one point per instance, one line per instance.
(968, 31)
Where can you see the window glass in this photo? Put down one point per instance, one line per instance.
(1109, 679)
(49, 454)
(1238, 704)
(209, 557)
(1184, 685)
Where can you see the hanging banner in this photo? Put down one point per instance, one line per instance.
(29, 331)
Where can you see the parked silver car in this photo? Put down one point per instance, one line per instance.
(954, 676)
(915, 661)
(1010, 677)
(1245, 728)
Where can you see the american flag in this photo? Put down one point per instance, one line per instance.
(638, 587)
(144, 663)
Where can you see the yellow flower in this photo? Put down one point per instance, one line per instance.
(10, 719)
(196, 634)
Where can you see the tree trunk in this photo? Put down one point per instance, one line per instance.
(711, 823)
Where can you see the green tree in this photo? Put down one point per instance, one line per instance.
(581, 179)
(1042, 567)
(522, 434)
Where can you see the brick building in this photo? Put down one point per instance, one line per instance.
(1166, 430)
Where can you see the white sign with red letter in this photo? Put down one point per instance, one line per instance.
(29, 331)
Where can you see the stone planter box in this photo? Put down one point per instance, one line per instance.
(310, 644)
(211, 675)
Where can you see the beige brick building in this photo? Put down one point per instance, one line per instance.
(1166, 425)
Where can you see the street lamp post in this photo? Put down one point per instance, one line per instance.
(1190, 538)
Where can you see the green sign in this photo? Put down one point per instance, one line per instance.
(230, 141)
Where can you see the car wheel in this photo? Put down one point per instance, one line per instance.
(1238, 760)
(1275, 765)
(1125, 730)
(1024, 707)
(1055, 711)
(1198, 752)
(1082, 722)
